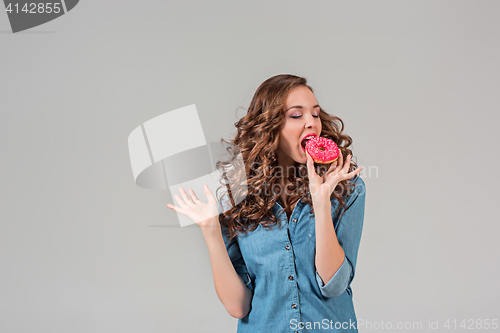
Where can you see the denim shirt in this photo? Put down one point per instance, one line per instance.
(278, 266)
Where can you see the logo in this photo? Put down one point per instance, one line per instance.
(171, 151)
(28, 14)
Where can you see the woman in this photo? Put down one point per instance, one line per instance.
(284, 257)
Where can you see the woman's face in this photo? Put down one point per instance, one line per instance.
(301, 118)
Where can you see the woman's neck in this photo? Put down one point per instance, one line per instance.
(285, 164)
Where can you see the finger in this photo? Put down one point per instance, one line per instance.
(193, 195)
(310, 166)
(179, 201)
(185, 196)
(345, 168)
(340, 162)
(353, 173)
(208, 193)
(176, 209)
(332, 167)
(307, 161)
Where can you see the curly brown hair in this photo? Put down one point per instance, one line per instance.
(256, 140)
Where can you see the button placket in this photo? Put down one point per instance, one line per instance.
(290, 268)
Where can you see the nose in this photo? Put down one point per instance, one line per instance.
(310, 121)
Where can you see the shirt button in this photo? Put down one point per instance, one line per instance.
(290, 277)
(294, 220)
(294, 305)
(287, 247)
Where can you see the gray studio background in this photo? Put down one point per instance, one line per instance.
(84, 249)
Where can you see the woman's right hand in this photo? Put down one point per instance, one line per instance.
(203, 214)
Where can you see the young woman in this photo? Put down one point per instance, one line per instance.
(284, 257)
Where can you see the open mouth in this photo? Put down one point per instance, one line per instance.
(304, 141)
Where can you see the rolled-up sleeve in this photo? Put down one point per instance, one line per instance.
(233, 250)
(348, 232)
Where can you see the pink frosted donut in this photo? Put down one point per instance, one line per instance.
(322, 150)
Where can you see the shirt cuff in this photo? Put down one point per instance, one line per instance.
(339, 281)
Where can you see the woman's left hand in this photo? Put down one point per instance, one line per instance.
(321, 188)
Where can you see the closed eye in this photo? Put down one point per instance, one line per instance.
(295, 117)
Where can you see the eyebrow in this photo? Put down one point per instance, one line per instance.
(301, 107)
